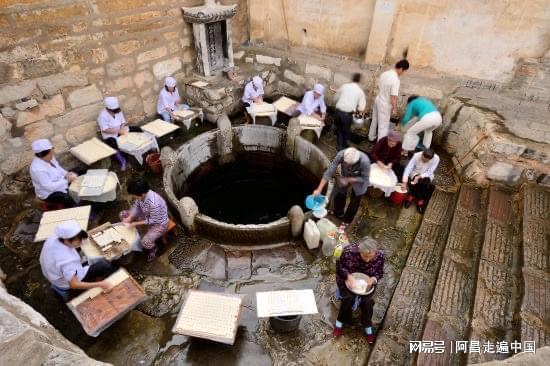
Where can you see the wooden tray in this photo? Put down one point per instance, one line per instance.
(97, 311)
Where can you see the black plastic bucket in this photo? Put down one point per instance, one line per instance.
(285, 324)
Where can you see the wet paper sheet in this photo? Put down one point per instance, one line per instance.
(200, 84)
(93, 182)
(51, 219)
(210, 315)
(262, 108)
(184, 113)
(92, 151)
(282, 303)
(109, 241)
(159, 128)
(308, 121)
(97, 311)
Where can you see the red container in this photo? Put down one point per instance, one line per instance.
(153, 162)
(398, 198)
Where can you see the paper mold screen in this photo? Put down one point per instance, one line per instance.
(209, 315)
(159, 128)
(291, 302)
(284, 104)
(114, 279)
(51, 219)
(92, 150)
(200, 84)
(309, 121)
(134, 139)
(263, 108)
(184, 113)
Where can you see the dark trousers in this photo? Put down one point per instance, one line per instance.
(422, 190)
(111, 141)
(346, 308)
(342, 121)
(398, 170)
(340, 203)
(98, 271)
(61, 198)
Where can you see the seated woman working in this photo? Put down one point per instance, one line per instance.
(112, 124)
(253, 91)
(313, 103)
(363, 258)
(150, 210)
(169, 100)
(50, 180)
(386, 153)
(418, 177)
(61, 264)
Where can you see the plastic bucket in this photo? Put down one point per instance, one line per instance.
(285, 324)
(398, 198)
(153, 162)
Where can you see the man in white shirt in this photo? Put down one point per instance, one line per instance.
(385, 103)
(61, 265)
(169, 100)
(253, 91)
(50, 180)
(313, 103)
(349, 98)
(418, 177)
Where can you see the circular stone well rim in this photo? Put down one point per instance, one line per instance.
(249, 138)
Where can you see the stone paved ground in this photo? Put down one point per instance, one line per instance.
(475, 266)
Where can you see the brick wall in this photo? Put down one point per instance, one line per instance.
(59, 58)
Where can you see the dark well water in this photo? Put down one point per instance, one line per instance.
(257, 188)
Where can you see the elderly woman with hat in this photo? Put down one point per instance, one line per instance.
(61, 264)
(50, 180)
(358, 258)
(313, 103)
(169, 100)
(355, 172)
(386, 153)
(112, 124)
(253, 91)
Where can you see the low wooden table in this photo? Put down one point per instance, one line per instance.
(262, 110)
(186, 118)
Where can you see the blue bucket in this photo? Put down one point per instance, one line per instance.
(315, 203)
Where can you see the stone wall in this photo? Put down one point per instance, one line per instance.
(59, 58)
(444, 35)
(26, 338)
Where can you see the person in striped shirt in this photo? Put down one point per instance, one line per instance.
(150, 210)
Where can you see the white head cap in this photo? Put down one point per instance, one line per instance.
(111, 102)
(351, 155)
(257, 81)
(68, 229)
(170, 82)
(41, 145)
(318, 88)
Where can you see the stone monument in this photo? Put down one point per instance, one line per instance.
(212, 34)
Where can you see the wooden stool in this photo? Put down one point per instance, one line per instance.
(170, 228)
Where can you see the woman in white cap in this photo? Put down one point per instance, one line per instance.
(313, 103)
(112, 124)
(61, 264)
(253, 91)
(169, 100)
(355, 173)
(50, 180)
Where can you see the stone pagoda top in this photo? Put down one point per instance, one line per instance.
(209, 12)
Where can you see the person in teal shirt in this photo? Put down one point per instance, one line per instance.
(428, 117)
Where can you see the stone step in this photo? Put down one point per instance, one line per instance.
(498, 288)
(405, 316)
(449, 315)
(535, 317)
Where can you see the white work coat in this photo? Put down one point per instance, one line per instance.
(48, 178)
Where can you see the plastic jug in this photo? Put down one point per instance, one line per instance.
(325, 227)
(312, 236)
(329, 244)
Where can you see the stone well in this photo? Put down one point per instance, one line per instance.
(224, 144)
